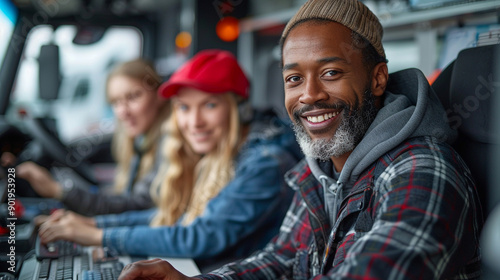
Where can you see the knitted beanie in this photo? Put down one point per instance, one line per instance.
(351, 13)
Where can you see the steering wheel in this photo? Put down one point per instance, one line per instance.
(57, 150)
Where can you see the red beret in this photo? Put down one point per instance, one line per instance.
(213, 71)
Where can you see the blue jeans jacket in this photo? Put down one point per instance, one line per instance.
(243, 217)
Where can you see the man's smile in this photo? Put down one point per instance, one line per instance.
(321, 118)
(319, 121)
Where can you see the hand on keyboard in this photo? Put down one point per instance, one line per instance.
(56, 249)
(70, 226)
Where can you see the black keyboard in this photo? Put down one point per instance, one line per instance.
(60, 268)
(64, 260)
(104, 271)
(70, 267)
(56, 249)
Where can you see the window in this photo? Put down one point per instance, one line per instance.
(81, 102)
(8, 17)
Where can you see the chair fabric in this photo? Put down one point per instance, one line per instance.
(468, 100)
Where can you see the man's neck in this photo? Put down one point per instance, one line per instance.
(338, 162)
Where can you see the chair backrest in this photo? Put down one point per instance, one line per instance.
(468, 97)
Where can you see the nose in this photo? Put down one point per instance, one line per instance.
(312, 92)
(121, 110)
(196, 118)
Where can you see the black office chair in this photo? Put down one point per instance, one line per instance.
(468, 89)
(470, 92)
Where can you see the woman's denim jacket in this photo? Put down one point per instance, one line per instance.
(243, 217)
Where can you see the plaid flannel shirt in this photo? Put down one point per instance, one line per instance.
(413, 214)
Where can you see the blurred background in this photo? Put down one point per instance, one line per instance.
(93, 35)
(55, 56)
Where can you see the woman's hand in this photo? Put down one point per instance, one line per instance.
(155, 269)
(59, 213)
(70, 226)
(40, 179)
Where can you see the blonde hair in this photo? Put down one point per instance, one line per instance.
(122, 144)
(191, 180)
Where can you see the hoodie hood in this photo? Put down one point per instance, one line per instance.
(410, 109)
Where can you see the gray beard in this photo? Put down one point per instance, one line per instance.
(350, 132)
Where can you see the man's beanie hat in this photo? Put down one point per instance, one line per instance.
(351, 13)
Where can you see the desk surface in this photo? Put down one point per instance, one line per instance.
(185, 266)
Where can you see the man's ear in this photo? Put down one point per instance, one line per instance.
(380, 75)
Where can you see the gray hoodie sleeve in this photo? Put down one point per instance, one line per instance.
(85, 202)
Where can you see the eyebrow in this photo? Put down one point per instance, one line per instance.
(289, 66)
(320, 61)
(332, 59)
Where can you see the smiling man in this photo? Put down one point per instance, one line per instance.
(380, 194)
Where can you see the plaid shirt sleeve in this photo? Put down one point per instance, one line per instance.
(425, 216)
(426, 221)
(276, 260)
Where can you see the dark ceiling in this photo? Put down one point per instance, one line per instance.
(65, 8)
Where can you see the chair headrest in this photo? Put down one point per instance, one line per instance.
(473, 87)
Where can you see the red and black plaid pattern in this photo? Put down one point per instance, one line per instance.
(413, 214)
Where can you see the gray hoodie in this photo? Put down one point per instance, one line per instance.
(410, 109)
